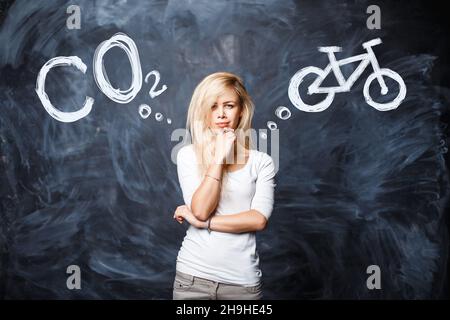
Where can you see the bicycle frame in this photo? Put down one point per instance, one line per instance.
(345, 85)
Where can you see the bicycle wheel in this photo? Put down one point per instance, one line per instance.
(387, 105)
(294, 95)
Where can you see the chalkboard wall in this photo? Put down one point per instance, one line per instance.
(356, 186)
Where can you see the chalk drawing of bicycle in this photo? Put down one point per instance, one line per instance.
(345, 85)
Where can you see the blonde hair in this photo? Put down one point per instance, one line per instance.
(204, 96)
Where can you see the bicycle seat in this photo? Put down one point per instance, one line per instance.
(330, 49)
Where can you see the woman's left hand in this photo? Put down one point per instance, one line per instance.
(183, 212)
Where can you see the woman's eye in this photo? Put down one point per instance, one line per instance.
(230, 106)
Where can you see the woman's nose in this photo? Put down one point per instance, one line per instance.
(221, 111)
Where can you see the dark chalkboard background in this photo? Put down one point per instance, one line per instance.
(355, 186)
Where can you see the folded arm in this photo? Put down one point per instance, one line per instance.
(246, 221)
(202, 196)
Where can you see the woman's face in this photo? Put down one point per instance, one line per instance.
(226, 111)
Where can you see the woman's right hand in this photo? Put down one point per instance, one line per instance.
(224, 144)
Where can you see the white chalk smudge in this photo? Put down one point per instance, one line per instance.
(145, 110)
(282, 109)
(159, 116)
(272, 125)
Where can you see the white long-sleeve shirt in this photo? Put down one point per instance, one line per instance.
(219, 256)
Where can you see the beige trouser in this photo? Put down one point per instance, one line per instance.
(188, 287)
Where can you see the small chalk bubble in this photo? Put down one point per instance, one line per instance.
(279, 113)
(169, 121)
(272, 125)
(159, 116)
(263, 135)
(145, 111)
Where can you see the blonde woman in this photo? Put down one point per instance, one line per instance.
(228, 189)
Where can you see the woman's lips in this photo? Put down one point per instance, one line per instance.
(223, 125)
